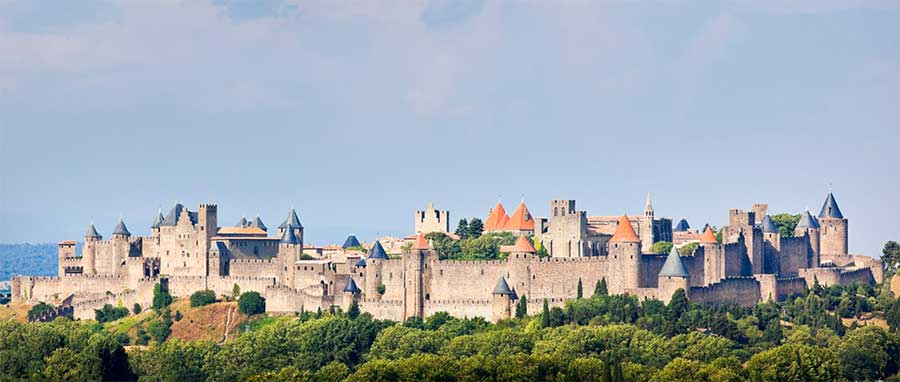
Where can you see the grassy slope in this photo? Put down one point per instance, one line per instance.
(14, 311)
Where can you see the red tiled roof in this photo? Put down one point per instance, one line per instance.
(708, 237)
(68, 242)
(624, 232)
(497, 219)
(523, 245)
(420, 243)
(520, 220)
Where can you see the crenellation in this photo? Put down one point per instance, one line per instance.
(187, 252)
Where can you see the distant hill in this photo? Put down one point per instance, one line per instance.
(27, 259)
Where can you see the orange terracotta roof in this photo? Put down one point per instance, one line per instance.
(523, 245)
(708, 237)
(68, 242)
(241, 231)
(624, 232)
(496, 219)
(421, 243)
(520, 220)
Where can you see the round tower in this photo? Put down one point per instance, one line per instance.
(809, 226)
(89, 252)
(289, 249)
(373, 267)
(673, 276)
(833, 229)
(624, 249)
(501, 301)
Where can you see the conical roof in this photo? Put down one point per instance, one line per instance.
(351, 287)
(121, 229)
(361, 263)
(258, 223)
(624, 232)
(649, 205)
(242, 223)
(289, 237)
(420, 243)
(807, 221)
(158, 221)
(377, 251)
(708, 237)
(291, 220)
(92, 232)
(523, 246)
(830, 208)
(520, 220)
(767, 225)
(351, 242)
(502, 287)
(674, 266)
(682, 226)
(496, 219)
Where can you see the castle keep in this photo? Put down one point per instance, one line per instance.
(187, 251)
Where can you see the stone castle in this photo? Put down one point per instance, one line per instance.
(187, 251)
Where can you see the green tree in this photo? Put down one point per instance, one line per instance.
(399, 341)
(251, 303)
(688, 249)
(38, 309)
(159, 330)
(136, 309)
(600, 288)
(202, 297)
(141, 337)
(663, 247)
(173, 360)
(785, 223)
(892, 316)
(579, 292)
(178, 315)
(773, 333)
(109, 313)
(545, 315)
(476, 227)
(161, 298)
(462, 228)
(682, 370)
(353, 310)
(236, 292)
(522, 307)
(890, 256)
(869, 353)
(794, 362)
(64, 364)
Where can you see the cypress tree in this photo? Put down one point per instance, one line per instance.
(522, 307)
(600, 289)
(462, 228)
(353, 310)
(580, 291)
(545, 315)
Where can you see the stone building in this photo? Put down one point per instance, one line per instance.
(186, 251)
(432, 220)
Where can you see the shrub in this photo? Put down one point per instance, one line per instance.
(178, 315)
(159, 330)
(251, 303)
(110, 313)
(39, 309)
(202, 297)
(381, 288)
(161, 298)
(136, 309)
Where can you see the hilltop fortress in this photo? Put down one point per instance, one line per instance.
(187, 251)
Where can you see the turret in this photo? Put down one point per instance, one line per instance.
(624, 250)
(289, 249)
(648, 208)
(351, 292)
(292, 221)
(809, 226)
(833, 229)
(770, 231)
(258, 223)
(154, 228)
(672, 276)
(501, 301)
(351, 242)
(89, 252)
(65, 249)
(374, 264)
(121, 231)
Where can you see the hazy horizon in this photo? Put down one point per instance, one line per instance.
(358, 114)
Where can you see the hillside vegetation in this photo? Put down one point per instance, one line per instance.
(601, 338)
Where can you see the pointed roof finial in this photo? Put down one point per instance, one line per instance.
(649, 205)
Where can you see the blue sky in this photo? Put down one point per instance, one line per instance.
(357, 113)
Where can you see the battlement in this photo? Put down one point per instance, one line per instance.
(466, 301)
(251, 261)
